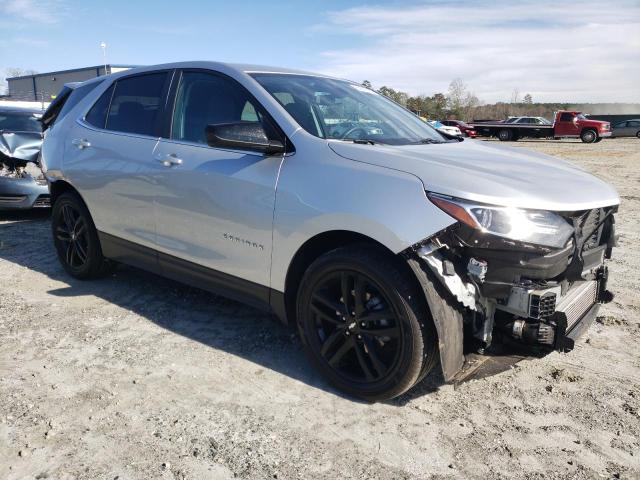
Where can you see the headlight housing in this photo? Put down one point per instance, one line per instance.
(539, 227)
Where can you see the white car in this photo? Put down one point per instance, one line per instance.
(455, 131)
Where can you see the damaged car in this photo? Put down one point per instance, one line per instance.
(22, 184)
(391, 247)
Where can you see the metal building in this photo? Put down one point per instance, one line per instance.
(43, 87)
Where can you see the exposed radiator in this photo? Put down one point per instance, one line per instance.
(578, 301)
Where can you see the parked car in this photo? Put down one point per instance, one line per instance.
(528, 120)
(466, 129)
(628, 128)
(454, 131)
(566, 124)
(391, 247)
(22, 185)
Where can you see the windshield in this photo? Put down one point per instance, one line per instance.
(337, 109)
(19, 122)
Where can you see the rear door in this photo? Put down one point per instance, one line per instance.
(215, 206)
(109, 156)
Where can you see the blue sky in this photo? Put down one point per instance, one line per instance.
(550, 49)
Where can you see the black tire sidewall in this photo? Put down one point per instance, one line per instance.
(409, 364)
(507, 135)
(94, 252)
(584, 136)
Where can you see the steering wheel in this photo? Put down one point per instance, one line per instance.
(352, 130)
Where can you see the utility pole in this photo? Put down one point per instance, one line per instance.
(103, 45)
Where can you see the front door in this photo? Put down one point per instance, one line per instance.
(566, 125)
(215, 206)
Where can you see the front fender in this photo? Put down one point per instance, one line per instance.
(323, 192)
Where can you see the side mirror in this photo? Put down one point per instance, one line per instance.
(243, 136)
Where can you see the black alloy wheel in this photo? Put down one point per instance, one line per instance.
(72, 235)
(76, 239)
(357, 329)
(364, 324)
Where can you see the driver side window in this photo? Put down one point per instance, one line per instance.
(203, 99)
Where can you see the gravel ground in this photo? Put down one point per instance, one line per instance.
(135, 377)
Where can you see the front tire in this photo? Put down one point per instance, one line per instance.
(365, 324)
(76, 239)
(588, 136)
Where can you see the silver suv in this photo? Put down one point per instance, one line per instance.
(390, 246)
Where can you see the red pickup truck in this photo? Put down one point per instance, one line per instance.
(566, 124)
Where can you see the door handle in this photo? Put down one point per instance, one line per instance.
(169, 160)
(81, 143)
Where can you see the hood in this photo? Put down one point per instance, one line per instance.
(591, 122)
(19, 147)
(485, 173)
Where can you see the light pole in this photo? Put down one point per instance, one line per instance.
(103, 45)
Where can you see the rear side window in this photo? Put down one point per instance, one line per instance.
(136, 104)
(97, 116)
(566, 117)
(633, 123)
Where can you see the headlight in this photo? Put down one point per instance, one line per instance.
(539, 227)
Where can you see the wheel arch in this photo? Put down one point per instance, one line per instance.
(59, 187)
(283, 303)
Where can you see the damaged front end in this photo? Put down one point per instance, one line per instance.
(22, 184)
(531, 278)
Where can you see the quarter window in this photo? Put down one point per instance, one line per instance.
(74, 98)
(136, 104)
(97, 116)
(204, 99)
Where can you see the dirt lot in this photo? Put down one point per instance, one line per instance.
(139, 377)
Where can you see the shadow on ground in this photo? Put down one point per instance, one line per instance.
(215, 321)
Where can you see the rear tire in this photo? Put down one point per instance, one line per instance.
(588, 136)
(379, 342)
(599, 139)
(638, 134)
(76, 239)
(505, 135)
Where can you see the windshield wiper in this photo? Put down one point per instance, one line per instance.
(364, 141)
(429, 141)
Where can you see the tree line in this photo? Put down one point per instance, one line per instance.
(459, 103)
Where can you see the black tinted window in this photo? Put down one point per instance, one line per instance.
(203, 99)
(97, 116)
(633, 123)
(75, 97)
(136, 103)
(566, 117)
